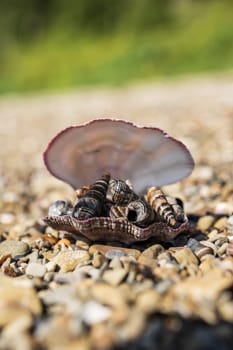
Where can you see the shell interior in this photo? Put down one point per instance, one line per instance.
(147, 156)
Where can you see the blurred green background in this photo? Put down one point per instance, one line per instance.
(58, 44)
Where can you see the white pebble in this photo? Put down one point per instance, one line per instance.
(94, 312)
(35, 270)
(6, 218)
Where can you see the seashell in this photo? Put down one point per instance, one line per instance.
(117, 211)
(110, 229)
(82, 191)
(140, 213)
(157, 199)
(120, 193)
(60, 207)
(145, 155)
(91, 203)
(199, 249)
(177, 206)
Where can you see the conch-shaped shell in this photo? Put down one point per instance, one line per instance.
(91, 203)
(156, 198)
(140, 213)
(120, 193)
(147, 156)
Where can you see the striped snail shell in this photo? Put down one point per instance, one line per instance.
(80, 192)
(177, 206)
(157, 199)
(117, 211)
(92, 202)
(120, 192)
(140, 213)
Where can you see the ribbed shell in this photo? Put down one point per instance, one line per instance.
(109, 229)
(147, 156)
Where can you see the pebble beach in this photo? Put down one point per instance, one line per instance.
(58, 291)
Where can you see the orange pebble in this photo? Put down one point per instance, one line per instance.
(64, 241)
(51, 239)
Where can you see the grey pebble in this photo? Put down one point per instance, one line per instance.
(115, 253)
(15, 248)
(35, 270)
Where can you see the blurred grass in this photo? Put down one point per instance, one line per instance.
(199, 38)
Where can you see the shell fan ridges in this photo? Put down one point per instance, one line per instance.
(78, 155)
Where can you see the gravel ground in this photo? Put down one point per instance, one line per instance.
(58, 292)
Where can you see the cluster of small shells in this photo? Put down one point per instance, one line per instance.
(115, 200)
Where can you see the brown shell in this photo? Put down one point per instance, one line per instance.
(110, 229)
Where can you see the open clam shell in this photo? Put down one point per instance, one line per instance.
(147, 156)
(110, 229)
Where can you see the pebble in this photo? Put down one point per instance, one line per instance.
(9, 313)
(223, 208)
(65, 295)
(108, 295)
(50, 238)
(184, 256)
(111, 251)
(115, 276)
(16, 249)
(149, 262)
(20, 324)
(33, 256)
(149, 301)
(7, 218)
(67, 259)
(115, 263)
(93, 312)
(166, 258)
(203, 173)
(35, 270)
(82, 245)
(229, 225)
(127, 262)
(207, 263)
(119, 315)
(205, 222)
(221, 223)
(230, 249)
(98, 259)
(135, 325)
(3, 258)
(19, 292)
(50, 266)
(153, 251)
(102, 337)
(63, 242)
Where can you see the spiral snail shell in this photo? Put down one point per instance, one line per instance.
(91, 203)
(140, 213)
(120, 193)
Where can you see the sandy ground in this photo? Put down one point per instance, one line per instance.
(197, 111)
